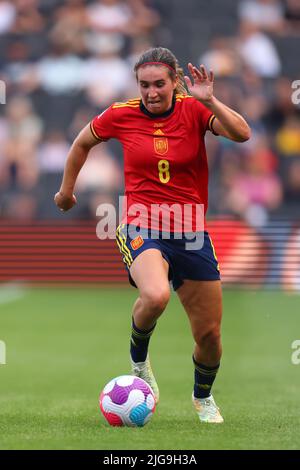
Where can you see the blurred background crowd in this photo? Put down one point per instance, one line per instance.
(63, 62)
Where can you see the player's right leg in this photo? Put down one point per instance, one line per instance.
(150, 274)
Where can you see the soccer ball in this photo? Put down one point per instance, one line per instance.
(127, 401)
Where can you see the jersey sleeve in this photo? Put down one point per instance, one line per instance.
(204, 116)
(102, 126)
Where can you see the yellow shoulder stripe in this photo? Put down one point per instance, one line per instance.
(125, 106)
(183, 96)
(94, 132)
(133, 102)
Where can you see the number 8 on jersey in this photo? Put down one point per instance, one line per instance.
(163, 171)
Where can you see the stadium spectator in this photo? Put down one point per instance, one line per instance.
(109, 19)
(56, 81)
(267, 15)
(21, 137)
(60, 71)
(19, 206)
(287, 141)
(256, 189)
(292, 186)
(116, 17)
(106, 76)
(82, 115)
(254, 107)
(280, 105)
(288, 137)
(28, 19)
(252, 84)
(145, 18)
(100, 180)
(111, 16)
(292, 16)
(17, 67)
(8, 15)
(70, 23)
(222, 57)
(101, 172)
(52, 152)
(258, 50)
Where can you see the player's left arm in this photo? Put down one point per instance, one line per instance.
(227, 122)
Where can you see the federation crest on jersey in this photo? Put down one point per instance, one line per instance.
(137, 242)
(161, 145)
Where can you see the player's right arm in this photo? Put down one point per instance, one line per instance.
(65, 198)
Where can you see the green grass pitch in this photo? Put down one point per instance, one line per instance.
(64, 345)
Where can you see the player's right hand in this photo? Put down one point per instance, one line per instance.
(65, 202)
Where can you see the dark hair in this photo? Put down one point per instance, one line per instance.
(165, 56)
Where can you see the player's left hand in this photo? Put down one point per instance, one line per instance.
(203, 87)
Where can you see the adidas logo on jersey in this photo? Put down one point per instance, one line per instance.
(158, 132)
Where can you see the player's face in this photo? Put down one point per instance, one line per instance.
(156, 88)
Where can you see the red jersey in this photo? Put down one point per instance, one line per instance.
(164, 155)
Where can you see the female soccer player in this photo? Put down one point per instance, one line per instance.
(165, 163)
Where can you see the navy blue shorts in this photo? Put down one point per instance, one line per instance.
(195, 263)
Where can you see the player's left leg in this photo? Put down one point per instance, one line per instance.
(202, 301)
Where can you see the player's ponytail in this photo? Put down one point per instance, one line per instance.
(181, 83)
(161, 55)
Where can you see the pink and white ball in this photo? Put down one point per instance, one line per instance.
(127, 401)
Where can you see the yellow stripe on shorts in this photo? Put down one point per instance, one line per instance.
(121, 241)
(214, 252)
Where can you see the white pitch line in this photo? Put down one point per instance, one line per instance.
(11, 292)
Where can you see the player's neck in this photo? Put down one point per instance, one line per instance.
(162, 115)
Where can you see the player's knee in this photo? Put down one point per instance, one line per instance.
(209, 339)
(157, 299)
